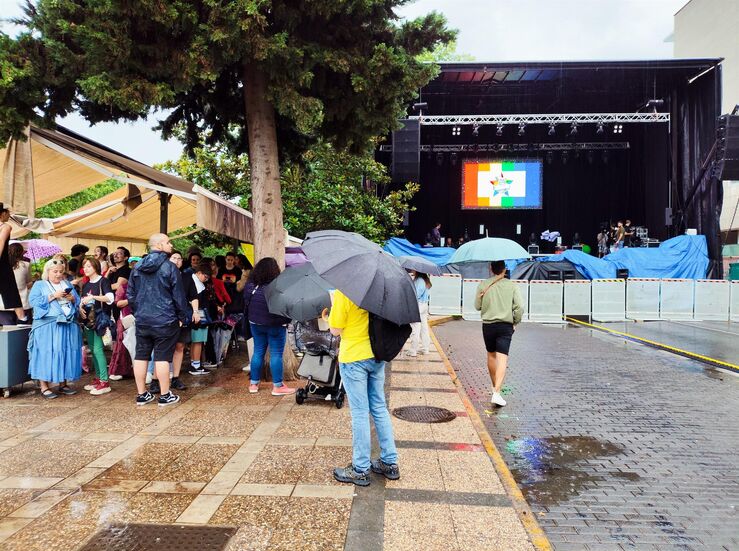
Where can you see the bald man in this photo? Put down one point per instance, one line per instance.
(157, 298)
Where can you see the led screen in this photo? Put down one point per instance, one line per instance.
(500, 184)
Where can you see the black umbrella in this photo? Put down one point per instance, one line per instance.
(419, 264)
(298, 293)
(360, 269)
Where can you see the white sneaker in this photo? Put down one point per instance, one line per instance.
(149, 377)
(411, 354)
(497, 399)
(115, 377)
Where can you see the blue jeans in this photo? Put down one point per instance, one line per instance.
(273, 336)
(364, 382)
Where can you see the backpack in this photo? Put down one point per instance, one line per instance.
(386, 338)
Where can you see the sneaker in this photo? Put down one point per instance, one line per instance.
(154, 387)
(103, 387)
(209, 365)
(115, 377)
(95, 382)
(411, 354)
(283, 390)
(391, 472)
(177, 384)
(253, 389)
(497, 399)
(149, 377)
(198, 371)
(348, 474)
(246, 369)
(145, 398)
(168, 399)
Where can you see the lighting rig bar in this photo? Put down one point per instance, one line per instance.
(495, 147)
(551, 118)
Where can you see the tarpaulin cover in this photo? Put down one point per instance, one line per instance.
(532, 269)
(685, 257)
(402, 247)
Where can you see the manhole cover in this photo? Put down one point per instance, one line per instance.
(424, 414)
(159, 537)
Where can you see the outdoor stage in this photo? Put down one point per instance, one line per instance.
(611, 140)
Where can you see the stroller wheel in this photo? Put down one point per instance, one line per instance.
(300, 396)
(339, 400)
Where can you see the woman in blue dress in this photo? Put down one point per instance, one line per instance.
(55, 343)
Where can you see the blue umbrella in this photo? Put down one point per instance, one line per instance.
(488, 249)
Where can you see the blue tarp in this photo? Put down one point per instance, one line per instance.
(685, 257)
(402, 247)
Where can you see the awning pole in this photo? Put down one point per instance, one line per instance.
(163, 211)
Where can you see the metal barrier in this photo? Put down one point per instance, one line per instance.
(523, 289)
(734, 308)
(469, 287)
(676, 299)
(642, 298)
(609, 299)
(445, 295)
(577, 297)
(545, 301)
(711, 300)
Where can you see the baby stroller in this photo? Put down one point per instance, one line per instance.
(320, 364)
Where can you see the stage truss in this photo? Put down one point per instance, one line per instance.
(550, 118)
(496, 147)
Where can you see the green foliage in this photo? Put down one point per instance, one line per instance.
(78, 200)
(444, 52)
(337, 70)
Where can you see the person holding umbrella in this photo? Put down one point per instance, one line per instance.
(501, 306)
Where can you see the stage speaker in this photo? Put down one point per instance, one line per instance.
(727, 152)
(668, 216)
(554, 275)
(569, 274)
(576, 247)
(533, 249)
(622, 273)
(406, 152)
(406, 219)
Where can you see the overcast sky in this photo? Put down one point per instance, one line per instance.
(489, 30)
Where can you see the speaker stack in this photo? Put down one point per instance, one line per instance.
(406, 152)
(727, 153)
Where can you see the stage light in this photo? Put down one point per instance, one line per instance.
(475, 129)
(591, 157)
(453, 159)
(551, 129)
(456, 131)
(605, 156)
(550, 157)
(618, 128)
(565, 157)
(521, 128)
(573, 129)
(600, 128)
(499, 131)
(439, 159)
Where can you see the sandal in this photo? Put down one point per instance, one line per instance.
(67, 390)
(48, 394)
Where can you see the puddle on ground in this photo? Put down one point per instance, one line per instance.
(546, 469)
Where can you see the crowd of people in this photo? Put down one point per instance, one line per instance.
(612, 238)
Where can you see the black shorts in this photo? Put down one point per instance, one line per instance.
(159, 340)
(497, 336)
(184, 336)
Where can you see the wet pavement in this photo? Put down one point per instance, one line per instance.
(715, 339)
(253, 470)
(614, 444)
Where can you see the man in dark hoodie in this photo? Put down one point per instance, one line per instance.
(157, 298)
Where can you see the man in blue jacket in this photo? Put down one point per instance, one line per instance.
(157, 298)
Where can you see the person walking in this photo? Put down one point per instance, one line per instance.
(22, 272)
(267, 329)
(420, 330)
(157, 300)
(364, 381)
(501, 307)
(8, 290)
(55, 341)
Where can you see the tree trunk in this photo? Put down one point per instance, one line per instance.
(269, 232)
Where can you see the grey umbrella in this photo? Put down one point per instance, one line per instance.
(298, 293)
(419, 264)
(360, 269)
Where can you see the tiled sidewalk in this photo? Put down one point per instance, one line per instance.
(75, 465)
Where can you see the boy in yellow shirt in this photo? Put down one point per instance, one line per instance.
(364, 381)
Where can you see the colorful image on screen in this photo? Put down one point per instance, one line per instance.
(498, 184)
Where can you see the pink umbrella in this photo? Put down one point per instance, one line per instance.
(36, 249)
